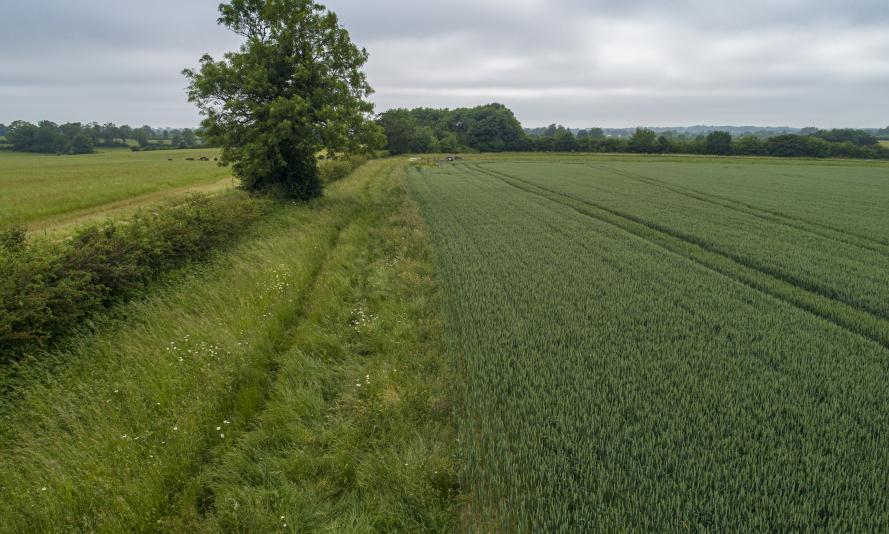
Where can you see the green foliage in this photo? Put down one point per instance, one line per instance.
(332, 170)
(46, 137)
(719, 143)
(788, 146)
(400, 128)
(490, 128)
(294, 88)
(228, 397)
(856, 137)
(82, 144)
(592, 133)
(495, 129)
(750, 145)
(48, 289)
(660, 345)
(643, 141)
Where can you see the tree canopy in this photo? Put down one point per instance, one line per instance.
(77, 138)
(719, 143)
(294, 88)
(50, 138)
(489, 128)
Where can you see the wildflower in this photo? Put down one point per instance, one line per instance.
(222, 436)
(43, 488)
(175, 429)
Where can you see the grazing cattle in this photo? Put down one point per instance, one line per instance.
(189, 159)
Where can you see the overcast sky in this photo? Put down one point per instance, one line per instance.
(577, 62)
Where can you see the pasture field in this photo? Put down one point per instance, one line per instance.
(651, 344)
(42, 191)
(296, 383)
(884, 143)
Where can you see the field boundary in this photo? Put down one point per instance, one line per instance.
(281, 341)
(56, 223)
(837, 312)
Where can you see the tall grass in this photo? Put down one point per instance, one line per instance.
(151, 423)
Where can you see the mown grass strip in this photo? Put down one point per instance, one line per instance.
(779, 285)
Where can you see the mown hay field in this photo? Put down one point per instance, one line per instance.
(38, 189)
(657, 344)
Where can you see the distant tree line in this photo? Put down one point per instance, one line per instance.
(845, 143)
(77, 138)
(494, 128)
(490, 128)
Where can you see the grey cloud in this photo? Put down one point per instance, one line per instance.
(580, 62)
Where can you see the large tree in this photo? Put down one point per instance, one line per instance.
(294, 88)
(719, 143)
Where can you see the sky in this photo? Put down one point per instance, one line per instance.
(580, 63)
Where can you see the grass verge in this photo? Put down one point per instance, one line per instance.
(231, 399)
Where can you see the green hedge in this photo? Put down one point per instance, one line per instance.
(332, 170)
(48, 289)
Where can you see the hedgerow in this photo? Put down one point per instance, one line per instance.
(49, 289)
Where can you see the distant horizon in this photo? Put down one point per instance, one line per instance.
(795, 62)
(714, 126)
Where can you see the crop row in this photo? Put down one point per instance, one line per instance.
(817, 228)
(854, 319)
(611, 382)
(840, 271)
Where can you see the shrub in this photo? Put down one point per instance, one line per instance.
(47, 289)
(332, 170)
